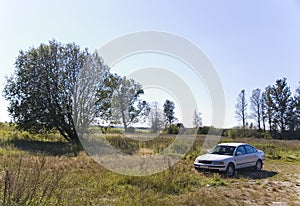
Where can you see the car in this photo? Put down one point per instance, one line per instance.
(229, 157)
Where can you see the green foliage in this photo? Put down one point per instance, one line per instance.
(176, 129)
(169, 107)
(123, 103)
(276, 110)
(53, 87)
(240, 133)
(282, 99)
(210, 130)
(173, 129)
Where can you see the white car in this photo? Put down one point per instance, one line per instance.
(228, 157)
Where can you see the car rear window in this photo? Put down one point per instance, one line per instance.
(250, 149)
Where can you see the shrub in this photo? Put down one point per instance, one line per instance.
(173, 129)
(210, 131)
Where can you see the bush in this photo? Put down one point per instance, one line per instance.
(173, 129)
(239, 132)
(210, 130)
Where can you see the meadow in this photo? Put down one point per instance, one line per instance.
(43, 170)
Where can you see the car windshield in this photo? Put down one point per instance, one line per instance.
(222, 150)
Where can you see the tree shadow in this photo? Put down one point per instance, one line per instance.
(48, 148)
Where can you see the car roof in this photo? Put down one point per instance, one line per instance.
(233, 144)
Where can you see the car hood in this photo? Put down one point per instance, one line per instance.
(213, 157)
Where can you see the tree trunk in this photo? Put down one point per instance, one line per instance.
(76, 144)
(124, 121)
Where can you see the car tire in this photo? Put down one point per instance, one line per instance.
(258, 165)
(230, 170)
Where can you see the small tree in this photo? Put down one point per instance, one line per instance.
(122, 102)
(197, 120)
(297, 108)
(169, 107)
(269, 106)
(256, 107)
(156, 117)
(263, 110)
(241, 108)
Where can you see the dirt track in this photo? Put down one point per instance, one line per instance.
(278, 184)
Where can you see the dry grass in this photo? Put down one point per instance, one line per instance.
(40, 173)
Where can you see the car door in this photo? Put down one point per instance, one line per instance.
(251, 156)
(240, 157)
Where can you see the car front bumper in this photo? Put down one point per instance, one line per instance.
(199, 166)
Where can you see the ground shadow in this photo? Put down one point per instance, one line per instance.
(48, 148)
(248, 173)
(252, 174)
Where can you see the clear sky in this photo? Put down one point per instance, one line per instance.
(251, 42)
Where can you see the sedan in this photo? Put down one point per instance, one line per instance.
(228, 157)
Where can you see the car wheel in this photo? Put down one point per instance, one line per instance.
(258, 165)
(230, 170)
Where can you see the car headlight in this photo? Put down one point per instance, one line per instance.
(218, 163)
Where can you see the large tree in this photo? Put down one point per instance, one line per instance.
(282, 100)
(241, 108)
(54, 87)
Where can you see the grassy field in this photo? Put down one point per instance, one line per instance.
(42, 170)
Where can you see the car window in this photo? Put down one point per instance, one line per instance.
(223, 150)
(250, 149)
(241, 150)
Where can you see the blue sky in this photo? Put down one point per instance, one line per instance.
(251, 43)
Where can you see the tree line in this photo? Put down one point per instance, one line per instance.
(274, 109)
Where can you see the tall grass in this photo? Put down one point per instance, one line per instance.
(30, 182)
